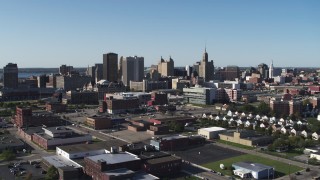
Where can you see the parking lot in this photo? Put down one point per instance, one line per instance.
(207, 153)
(21, 172)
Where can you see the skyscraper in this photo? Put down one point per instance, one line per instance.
(65, 70)
(166, 68)
(263, 69)
(132, 69)
(10, 76)
(98, 72)
(206, 68)
(120, 68)
(110, 67)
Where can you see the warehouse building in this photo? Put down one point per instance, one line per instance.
(253, 170)
(211, 132)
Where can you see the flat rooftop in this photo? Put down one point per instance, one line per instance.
(177, 118)
(114, 158)
(163, 160)
(252, 166)
(58, 129)
(140, 175)
(119, 172)
(173, 137)
(76, 148)
(60, 161)
(210, 129)
(32, 130)
(152, 155)
(47, 137)
(9, 140)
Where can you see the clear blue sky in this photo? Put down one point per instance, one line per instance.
(37, 33)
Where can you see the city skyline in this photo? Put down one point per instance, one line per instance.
(247, 33)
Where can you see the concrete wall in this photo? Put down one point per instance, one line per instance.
(79, 154)
(236, 139)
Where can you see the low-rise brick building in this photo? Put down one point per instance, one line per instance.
(55, 136)
(163, 166)
(99, 122)
(95, 166)
(56, 107)
(115, 106)
(25, 118)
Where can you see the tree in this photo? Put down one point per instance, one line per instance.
(263, 108)
(7, 155)
(52, 173)
(248, 108)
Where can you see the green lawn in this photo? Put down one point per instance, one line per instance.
(280, 167)
(290, 154)
(235, 144)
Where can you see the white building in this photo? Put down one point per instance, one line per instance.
(211, 133)
(199, 95)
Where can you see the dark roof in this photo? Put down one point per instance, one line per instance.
(10, 141)
(91, 147)
(152, 155)
(31, 130)
(178, 118)
(163, 159)
(58, 129)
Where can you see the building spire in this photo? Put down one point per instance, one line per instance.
(205, 47)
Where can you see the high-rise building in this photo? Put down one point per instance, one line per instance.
(98, 72)
(189, 70)
(271, 70)
(10, 76)
(110, 67)
(132, 69)
(42, 81)
(120, 68)
(264, 70)
(65, 70)
(206, 68)
(166, 68)
(91, 72)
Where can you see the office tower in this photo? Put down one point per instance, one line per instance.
(91, 71)
(195, 69)
(98, 72)
(271, 70)
(42, 81)
(120, 69)
(206, 68)
(166, 68)
(189, 70)
(264, 70)
(110, 67)
(232, 72)
(10, 76)
(65, 70)
(132, 69)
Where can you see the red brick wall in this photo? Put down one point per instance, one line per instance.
(40, 141)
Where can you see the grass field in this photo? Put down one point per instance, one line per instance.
(235, 144)
(280, 167)
(290, 154)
